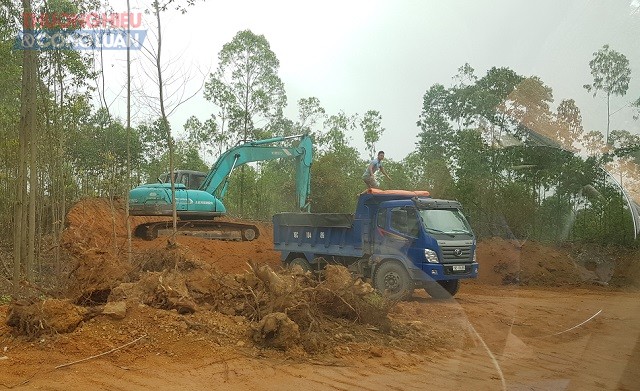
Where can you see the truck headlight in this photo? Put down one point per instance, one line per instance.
(430, 256)
(474, 255)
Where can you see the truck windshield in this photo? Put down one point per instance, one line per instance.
(449, 221)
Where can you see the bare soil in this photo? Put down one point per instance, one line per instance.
(214, 315)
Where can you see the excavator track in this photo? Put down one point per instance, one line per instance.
(200, 228)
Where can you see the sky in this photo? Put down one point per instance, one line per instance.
(360, 55)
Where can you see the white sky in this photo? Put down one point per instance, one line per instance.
(357, 55)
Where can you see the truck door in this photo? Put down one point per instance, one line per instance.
(396, 231)
(378, 230)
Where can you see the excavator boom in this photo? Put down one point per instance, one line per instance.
(254, 151)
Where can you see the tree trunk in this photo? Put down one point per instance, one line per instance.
(128, 187)
(62, 201)
(165, 124)
(27, 123)
(33, 185)
(606, 139)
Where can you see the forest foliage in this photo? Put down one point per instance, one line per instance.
(520, 162)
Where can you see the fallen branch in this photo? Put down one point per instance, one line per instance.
(101, 354)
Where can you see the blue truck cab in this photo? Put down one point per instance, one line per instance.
(400, 240)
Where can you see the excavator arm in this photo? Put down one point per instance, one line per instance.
(217, 179)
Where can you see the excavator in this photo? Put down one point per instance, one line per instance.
(199, 196)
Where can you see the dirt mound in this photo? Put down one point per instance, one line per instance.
(289, 310)
(618, 266)
(96, 238)
(203, 279)
(531, 263)
(95, 225)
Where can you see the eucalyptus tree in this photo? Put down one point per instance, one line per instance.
(10, 79)
(246, 89)
(310, 113)
(568, 127)
(473, 172)
(336, 180)
(337, 166)
(436, 133)
(207, 136)
(435, 145)
(26, 186)
(246, 86)
(227, 113)
(529, 105)
(462, 95)
(493, 97)
(611, 75)
(336, 136)
(371, 125)
(64, 89)
(627, 145)
(99, 154)
(167, 99)
(593, 142)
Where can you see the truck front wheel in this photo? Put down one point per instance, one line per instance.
(444, 289)
(392, 280)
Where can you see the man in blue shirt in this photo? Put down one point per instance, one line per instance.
(368, 177)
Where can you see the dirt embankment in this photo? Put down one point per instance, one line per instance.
(506, 262)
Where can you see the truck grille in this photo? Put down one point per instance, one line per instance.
(452, 254)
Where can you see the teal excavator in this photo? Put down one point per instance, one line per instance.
(199, 195)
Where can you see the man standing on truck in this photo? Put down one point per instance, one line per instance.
(369, 174)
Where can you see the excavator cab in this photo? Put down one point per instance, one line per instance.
(191, 179)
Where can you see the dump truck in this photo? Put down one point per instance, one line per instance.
(399, 240)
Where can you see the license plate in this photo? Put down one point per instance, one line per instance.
(458, 268)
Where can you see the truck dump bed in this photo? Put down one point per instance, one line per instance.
(317, 233)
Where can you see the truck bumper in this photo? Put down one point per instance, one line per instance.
(438, 271)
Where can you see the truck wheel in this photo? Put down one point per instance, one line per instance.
(444, 289)
(303, 263)
(393, 281)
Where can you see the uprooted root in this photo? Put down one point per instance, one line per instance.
(34, 318)
(285, 309)
(309, 303)
(276, 330)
